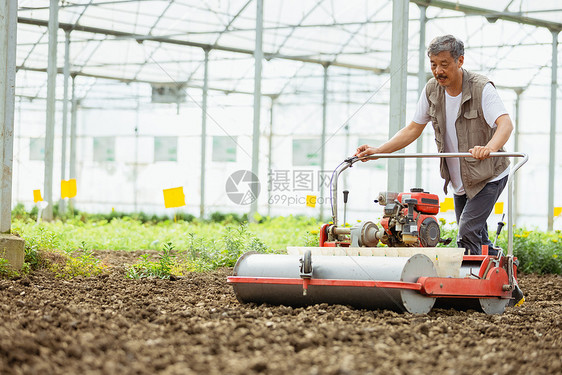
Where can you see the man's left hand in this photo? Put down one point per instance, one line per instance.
(480, 152)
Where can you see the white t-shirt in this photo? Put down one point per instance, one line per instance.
(492, 108)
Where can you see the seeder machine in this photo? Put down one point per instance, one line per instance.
(410, 274)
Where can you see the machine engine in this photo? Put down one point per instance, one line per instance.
(409, 218)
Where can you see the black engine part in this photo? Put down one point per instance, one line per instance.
(429, 232)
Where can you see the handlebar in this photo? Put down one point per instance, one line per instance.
(354, 159)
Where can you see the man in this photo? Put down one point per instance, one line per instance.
(467, 116)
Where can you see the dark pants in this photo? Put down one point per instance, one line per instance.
(472, 215)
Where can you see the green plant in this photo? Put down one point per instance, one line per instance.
(46, 248)
(237, 241)
(31, 256)
(6, 270)
(202, 245)
(197, 250)
(164, 268)
(78, 264)
(19, 212)
(538, 252)
(37, 239)
(448, 230)
(228, 218)
(310, 238)
(25, 268)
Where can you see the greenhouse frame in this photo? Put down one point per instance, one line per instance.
(247, 106)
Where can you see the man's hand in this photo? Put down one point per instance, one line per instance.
(500, 137)
(480, 152)
(365, 150)
(401, 139)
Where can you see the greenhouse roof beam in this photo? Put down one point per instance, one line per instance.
(491, 15)
(303, 18)
(86, 6)
(359, 28)
(142, 38)
(32, 49)
(128, 80)
(72, 5)
(303, 26)
(139, 70)
(227, 27)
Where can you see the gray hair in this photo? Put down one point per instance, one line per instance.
(446, 43)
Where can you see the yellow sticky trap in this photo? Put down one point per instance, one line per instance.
(557, 211)
(37, 196)
(498, 208)
(447, 204)
(174, 197)
(311, 201)
(68, 188)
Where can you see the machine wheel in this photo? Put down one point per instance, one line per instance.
(493, 305)
(307, 262)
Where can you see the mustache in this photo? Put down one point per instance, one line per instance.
(439, 76)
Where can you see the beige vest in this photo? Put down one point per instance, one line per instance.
(472, 130)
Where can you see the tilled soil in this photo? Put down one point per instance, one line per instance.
(195, 325)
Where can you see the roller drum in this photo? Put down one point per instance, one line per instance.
(337, 268)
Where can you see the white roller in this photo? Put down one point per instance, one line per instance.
(395, 269)
(446, 260)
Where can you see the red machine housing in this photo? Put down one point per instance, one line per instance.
(427, 203)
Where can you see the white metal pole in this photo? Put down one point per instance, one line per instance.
(8, 28)
(270, 151)
(552, 159)
(323, 139)
(421, 85)
(258, 58)
(204, 134)
(516, 135)
(62, 206)
(136, 165)
(72, 152)
(51, 107)
(398, 78)
(73, 113)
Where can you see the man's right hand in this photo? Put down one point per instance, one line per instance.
(403, 138)
(366, 150)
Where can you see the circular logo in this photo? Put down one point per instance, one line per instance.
(243, 187)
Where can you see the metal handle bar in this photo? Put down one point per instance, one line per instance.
(354, 159)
